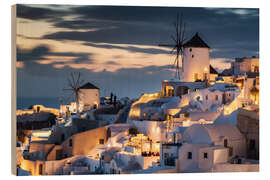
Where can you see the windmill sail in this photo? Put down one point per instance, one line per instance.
(178, 46)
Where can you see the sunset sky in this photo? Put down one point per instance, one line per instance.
(116, 48)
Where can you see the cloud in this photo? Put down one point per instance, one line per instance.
(38, 13)
(130, 48)
(47, 81)
(111, 63)
(228, 31)
(137, 30)
(37, 53)
(44, 52)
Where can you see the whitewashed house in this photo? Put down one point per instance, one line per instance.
(206, 145)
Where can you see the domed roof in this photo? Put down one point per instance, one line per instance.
(207, 134)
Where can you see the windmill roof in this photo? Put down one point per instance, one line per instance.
(212, 70)
(88, 86)
(196, 41)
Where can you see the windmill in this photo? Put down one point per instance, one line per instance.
(178, 47)
(74, 84)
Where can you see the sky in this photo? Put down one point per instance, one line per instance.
(116, 47)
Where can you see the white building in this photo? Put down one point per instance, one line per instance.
(89, 96)
(204, 146)
(242, 65)
(196, 60)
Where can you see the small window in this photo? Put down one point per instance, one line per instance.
(190, 50)
(205, 155)
(225, 143)
(166, 155)
(192, 56)
(196, 76)
(230, 151)
(62, 137)
(216, 97)
(252, 144)
(206, 97)
(40, 169)
(70, 142)
(101, 141)
(189, 155)
(144, 115)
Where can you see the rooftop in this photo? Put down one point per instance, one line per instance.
(196, 41)
(88, 86)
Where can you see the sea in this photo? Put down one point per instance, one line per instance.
(26, 102)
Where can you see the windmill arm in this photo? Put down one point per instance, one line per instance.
(68, 89)
(166, 45)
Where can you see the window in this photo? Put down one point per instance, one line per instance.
(190, 50)
(101, 141)
(166, 155)
(256, 69)
(70, 142)
(206, 97)
(216, 97)
(195, 76)
(205, 155)
(230, 151)
(192, 56)
(252, 144)
(62, 137)
(254, 82)
(205, 76)
(40, 169)
(225, 143)
(144, 115)
(189, 155)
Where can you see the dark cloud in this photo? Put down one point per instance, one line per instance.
(112, 63)
(40, 52)
(37, 53)
(38, 13)
(233, 31)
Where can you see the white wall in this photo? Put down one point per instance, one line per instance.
(154, 129)
(238, 146)
(236, 168)
(89, 97)
(214, 156)
(198, 64)
(189, 165)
